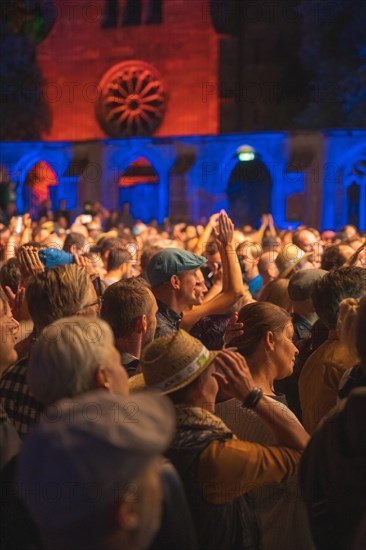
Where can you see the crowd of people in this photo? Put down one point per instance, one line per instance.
(180, 386)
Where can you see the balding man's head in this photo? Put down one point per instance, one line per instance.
(267, 267)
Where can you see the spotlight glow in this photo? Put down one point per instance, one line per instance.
(245, 157)
(245, 153)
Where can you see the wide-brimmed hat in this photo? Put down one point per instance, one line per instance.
(171, 261)
(172, 362)
(288, 257)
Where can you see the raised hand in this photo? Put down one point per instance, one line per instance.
(264, 220)
(29, 261)
(87, 264)
(224, 233)
(27, 221)
(16, 301)
(214, 219)
(233, 329)
(235, 376)
(178, 231)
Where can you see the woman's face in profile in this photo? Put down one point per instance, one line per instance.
(285, 352)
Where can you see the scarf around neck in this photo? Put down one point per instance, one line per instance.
(196, 417)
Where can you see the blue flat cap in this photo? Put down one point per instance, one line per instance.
(53, 257)
(171, 261)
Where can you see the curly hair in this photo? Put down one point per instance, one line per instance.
(10, 274)
(337, 285)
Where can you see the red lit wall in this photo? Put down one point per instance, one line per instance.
(77, 53)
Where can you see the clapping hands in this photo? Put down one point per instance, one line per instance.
(224, 232)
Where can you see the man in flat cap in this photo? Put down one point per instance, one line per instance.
(89, 472)
(173, 275)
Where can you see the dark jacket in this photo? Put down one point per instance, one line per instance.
(229, 526)
(332, 474)
(176, 530)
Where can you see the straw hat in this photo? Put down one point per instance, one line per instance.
(172, 362)
(112, 234)
(288, 258)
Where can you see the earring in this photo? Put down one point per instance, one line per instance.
(107, 386)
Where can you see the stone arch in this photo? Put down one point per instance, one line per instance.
(39, 181)
(52, 172)
(138, 185)
(159, 202)
(351, 189)
(248, 185)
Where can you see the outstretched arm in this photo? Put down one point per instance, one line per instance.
(233, 288)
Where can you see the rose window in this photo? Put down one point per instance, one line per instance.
(132, 100)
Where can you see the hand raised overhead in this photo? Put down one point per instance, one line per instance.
(224, 233)
(235, 376)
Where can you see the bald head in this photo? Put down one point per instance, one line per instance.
(267, 267)
(309, 242)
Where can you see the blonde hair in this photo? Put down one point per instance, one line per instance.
(56, 293)
(347, 323)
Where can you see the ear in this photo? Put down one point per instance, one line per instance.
(126, 515)
(73, 249)
(141, 324)
(269, 341)
(175, 282)
(102, 379)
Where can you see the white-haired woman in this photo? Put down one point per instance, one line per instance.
(72, 356)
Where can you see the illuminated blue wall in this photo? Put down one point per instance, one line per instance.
(340, 162)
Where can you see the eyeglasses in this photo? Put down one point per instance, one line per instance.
(310, 246)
